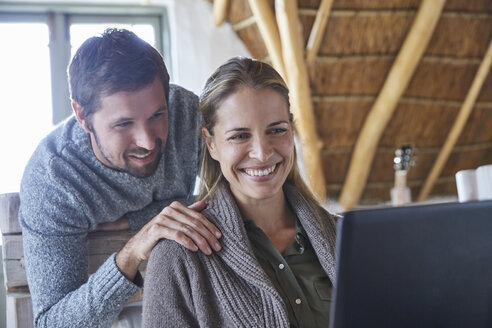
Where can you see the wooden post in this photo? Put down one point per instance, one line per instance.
(300, 93)
(397, 81)
(458, 125)
(265, 20)
(318, 30)
(220, 11)
(19, 310)
(9, 208)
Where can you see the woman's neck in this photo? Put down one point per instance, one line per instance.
(268, 214)
(274, 216)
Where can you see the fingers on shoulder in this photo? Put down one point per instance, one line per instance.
(168, 228)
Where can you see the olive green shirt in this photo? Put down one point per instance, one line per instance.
(297, 276)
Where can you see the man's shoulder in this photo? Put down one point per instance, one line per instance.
(52, 178)
(181, 95)
(183, 108)
(66, 133)
(176, 88)
(67, 137)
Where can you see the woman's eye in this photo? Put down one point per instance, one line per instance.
(240, 136)
(277, 131)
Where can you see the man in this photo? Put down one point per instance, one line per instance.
(128, 158)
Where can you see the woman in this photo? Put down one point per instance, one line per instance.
(277, 262)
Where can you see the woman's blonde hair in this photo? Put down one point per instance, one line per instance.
(236, 73)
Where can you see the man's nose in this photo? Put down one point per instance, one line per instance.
(145, 138)
(261, 149)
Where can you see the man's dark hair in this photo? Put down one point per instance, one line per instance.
(117, 60)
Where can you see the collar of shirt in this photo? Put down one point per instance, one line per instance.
(301, 241)
(300, 244)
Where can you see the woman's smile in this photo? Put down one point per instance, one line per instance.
(260, 172)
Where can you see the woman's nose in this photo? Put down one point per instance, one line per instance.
(261, 149)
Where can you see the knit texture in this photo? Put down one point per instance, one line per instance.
(228, 288)
(66, 192)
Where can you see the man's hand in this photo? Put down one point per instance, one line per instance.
(185, 225)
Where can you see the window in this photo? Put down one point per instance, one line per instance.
(36, 48)
(26, 96)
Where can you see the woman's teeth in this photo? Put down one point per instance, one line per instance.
(260, 173)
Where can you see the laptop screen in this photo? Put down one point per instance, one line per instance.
(415, 266)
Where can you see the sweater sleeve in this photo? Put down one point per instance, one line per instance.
(167, 297)
(61, 293)
(54, 231)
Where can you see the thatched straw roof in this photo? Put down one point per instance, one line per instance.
(359, 43)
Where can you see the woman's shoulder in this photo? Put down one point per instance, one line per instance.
(320, 214)
(210, 212)
(328, 215)
(220, 205)
(308, 209)
(167, 251)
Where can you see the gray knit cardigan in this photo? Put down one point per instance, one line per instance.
(66, 192)
(228, 288)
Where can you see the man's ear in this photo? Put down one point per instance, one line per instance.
(77, 109)
(209, 142)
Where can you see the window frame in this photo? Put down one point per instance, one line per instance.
(59, 17)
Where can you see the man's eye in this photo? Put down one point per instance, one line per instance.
(124, 124)
(157, 115)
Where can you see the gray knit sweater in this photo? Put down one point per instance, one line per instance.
(228, 288)
(66, 192)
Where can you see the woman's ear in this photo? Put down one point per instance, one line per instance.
(77, 109)
(209, 142)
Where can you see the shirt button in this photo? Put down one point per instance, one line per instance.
(298, 301)
(281, 266)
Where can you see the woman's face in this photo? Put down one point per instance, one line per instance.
(253, 142)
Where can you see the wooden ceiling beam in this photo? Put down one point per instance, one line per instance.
(318, 30)
(397, 81)
(458, 125)
(220, 11)
(265, 20)
(300, 93)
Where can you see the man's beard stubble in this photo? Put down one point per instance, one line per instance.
(140, 172)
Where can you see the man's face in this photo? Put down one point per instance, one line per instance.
(129, 131)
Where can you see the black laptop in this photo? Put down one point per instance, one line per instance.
(415, 266)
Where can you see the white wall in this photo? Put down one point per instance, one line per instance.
(198, 46)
